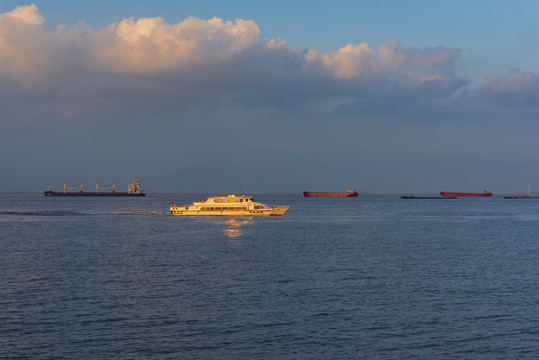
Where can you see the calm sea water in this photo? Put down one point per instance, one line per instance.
(367, 278)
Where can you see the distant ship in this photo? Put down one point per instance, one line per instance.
(230, 205)
(427, 197)
(463, 194)
(348, 193)
(133, 189)
(521, 197)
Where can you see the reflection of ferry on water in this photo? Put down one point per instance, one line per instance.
(233, 229)
(230, 205)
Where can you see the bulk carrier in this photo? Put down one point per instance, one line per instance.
(133, 189)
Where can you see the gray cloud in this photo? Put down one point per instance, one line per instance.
(515, 90)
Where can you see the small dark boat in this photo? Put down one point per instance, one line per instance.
(464, 194)
(428, 197)
(521, 197)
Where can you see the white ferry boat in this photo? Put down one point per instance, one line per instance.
(230, 205)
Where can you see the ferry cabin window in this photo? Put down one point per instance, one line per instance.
(228, 200)
(225, 208)
(222, 208)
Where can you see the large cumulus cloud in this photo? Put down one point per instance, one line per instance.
(150, 44)
(32, 53)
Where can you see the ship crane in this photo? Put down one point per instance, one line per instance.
(113, 188)
(72, 187)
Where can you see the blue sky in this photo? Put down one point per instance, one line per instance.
(206, 96)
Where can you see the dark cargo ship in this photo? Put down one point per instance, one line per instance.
(348, 193)
(485, 193)
(133, 189)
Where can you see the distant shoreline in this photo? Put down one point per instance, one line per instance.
(290, 194)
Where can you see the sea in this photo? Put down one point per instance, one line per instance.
(373, 277)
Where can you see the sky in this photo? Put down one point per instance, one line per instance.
(270, 97)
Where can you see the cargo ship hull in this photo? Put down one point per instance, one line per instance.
(326, 194)
(463, 194)
(73, 193)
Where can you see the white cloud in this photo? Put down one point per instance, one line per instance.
(351, 61)
(150, 44)
(31, 51)
(361, 62)
(22, 42)
(28, 15)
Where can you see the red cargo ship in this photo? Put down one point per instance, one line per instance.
(348, 193)
(463, 194)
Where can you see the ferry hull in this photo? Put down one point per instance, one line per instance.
(462, 194)
(326, 194)
(73, 193)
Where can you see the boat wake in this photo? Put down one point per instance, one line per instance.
(137, 213)
(42, 213)
(74, 213)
